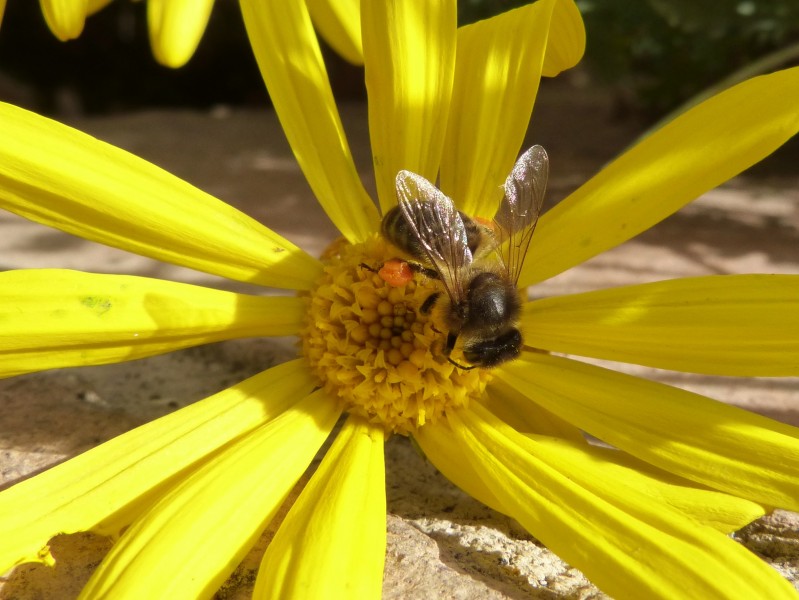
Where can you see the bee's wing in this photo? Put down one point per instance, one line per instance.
(520, 208)
(437, 226)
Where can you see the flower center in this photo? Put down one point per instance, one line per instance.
(374, 349)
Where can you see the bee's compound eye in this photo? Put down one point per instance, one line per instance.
(396, 273)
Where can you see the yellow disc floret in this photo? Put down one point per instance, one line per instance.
(372, 348)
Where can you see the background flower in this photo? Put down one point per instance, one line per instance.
(177, 26)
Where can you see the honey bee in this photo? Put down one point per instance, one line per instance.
(478, 264)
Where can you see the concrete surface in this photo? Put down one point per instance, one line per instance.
(441, 543)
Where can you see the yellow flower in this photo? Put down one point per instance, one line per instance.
(192, 491)
(176, 26)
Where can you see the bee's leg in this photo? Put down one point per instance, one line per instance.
(414, 266)
(426, 271)
(429, 302)
(460, 366)
(398, 272)
(451, 339)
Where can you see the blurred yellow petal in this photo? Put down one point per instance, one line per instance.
(56, 318)
(709, 442)
(339, 23)
(93, 6)
(65, 18)
(288, 55)
(630, 545)
(498, 68)
(699, 150)
(176, 28)
(332, 543)
(746, 325)
(56, 175)
(188, 543)
(409, 54)
(105, 488)
(566, 39)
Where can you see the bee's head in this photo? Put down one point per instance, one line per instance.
(492, 352)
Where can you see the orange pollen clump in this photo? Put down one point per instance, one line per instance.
(371, 348)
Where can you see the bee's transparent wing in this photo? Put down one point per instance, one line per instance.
(438, 227)
(520, 208)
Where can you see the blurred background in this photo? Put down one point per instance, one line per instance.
(651, 55)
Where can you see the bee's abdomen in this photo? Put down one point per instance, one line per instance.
(397, 230)
(474, 236)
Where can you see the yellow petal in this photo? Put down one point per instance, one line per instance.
(628, 482)
(339, 23)
(93, 6)
(105, 488)
(57, 318)
(610, 467)
(709, 442)
(441, 450)
(409, 54)
(745, 325)
(498, 67)
(2, 10)
(626, 543)
(623, 480)
(61, 177)
(176, 27)
(65, 18)
(518, 411)
(699, 150)
(288, 55)
(333, 540)
(187, 544)
(566, 39)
